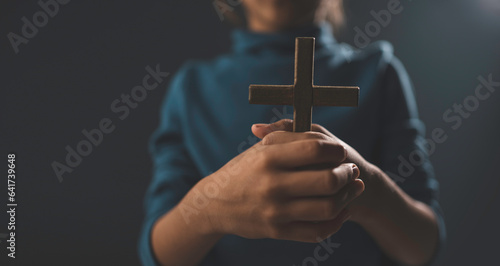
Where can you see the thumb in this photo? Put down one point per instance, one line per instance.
(261, 130)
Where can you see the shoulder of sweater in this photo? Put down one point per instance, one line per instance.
(195, 68)
(379, 54)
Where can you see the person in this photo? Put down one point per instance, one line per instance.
(233, 185)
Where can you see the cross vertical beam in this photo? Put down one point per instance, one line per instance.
(303, 85)
(303, 94)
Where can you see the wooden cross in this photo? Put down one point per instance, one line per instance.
(303, 94)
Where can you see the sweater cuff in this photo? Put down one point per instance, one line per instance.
(145, 248)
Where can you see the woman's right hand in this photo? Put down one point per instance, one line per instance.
(293, 191)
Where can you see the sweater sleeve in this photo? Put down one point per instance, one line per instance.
(405, 152)
(173, 170)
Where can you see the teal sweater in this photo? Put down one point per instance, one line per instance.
(206, 119)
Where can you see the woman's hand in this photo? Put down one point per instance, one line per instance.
(280, 132)
(297, 186)
(296, 190)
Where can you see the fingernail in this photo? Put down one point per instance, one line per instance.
(259, 125)
(355, 172)
(359, 191)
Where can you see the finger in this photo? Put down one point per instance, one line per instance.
(324, 182)
(261, 130)
(303, 153)
(322, 208)
(310, 232)
(278, 137)
(318, 128)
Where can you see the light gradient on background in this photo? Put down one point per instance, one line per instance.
(91, 52)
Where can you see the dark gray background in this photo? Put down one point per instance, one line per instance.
(91, 52)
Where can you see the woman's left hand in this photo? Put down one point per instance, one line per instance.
(281, 132)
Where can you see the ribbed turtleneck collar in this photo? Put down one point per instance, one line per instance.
(245, 41)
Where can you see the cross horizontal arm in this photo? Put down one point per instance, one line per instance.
(271, 94)
(335, 96)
